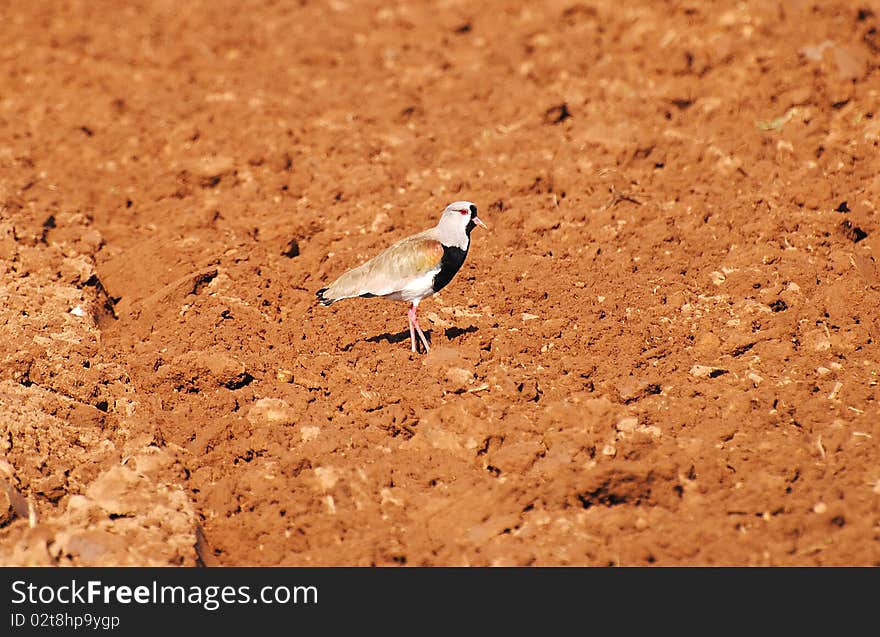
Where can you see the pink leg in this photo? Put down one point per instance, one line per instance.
(415, 321)
(412, 334)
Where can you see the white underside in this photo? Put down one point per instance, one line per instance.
(416, 289)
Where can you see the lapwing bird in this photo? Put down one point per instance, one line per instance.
(413, 268)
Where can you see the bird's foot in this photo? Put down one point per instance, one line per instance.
(422, 337)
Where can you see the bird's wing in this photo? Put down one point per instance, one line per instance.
(391, 271)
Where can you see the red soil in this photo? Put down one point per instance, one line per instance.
(664, 352)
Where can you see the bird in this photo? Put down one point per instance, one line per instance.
(413, 268)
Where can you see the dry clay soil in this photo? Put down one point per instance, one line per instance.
(663, 352)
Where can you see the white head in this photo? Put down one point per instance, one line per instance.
(456, 223)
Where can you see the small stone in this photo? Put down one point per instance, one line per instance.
(284, 376)
(389, 498)
(308, 381)
(370, 400)
(381, 223)
(437, 321)
(629, 389)
(327, 477)
(225, 369)
(627, 425)
(702, 371)
(76, 270)
(205, 368)
(211, 166)
(815, 52)
(529, 390)
(609, 450)
(116, 491)
(309, 433)
(835, 392)
(820, 507)
(650, 430)
(459, 378)
(271, 411)
(516, 458)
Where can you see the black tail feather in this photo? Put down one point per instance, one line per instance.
(323, 299)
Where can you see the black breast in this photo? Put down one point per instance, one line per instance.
(450, 264)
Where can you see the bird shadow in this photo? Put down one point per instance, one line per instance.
(393, 338)
(387, 337)
(451, 334)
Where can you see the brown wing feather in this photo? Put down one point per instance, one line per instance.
(389, 271)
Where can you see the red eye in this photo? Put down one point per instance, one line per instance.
(465, 212)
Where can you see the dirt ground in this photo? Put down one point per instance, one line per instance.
(664, 351)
